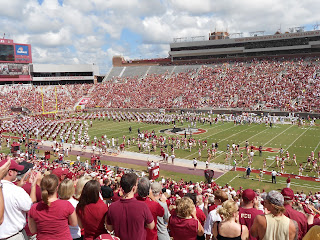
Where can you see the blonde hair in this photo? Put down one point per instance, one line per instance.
(80, 184)
(185, 207)
(199, 199)
(228, 209)
(66, 189)
(277, 209)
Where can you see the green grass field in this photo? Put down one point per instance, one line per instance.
(297, 140)
(237, 180)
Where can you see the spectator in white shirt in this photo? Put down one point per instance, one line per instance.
(219, 198)
(16, 203)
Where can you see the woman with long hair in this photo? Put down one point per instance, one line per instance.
(79, 186)
(184, 225)
(51, 217)
(91, 211)
(65, 192)
(229, 227)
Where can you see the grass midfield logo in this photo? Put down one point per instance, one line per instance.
(183, 131)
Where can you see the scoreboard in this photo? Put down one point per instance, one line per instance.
(14, 58)
(14, 52)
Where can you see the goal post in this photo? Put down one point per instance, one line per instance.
(56, 102)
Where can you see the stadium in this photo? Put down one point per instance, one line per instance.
(222, 114)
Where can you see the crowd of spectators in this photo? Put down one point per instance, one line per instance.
(85, 202)
(40, 98)
(285, 85)
(288, 85)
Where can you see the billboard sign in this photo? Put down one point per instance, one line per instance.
(84, 101)
(22, 53)
(22, 50)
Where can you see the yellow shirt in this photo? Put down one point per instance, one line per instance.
(313, 233)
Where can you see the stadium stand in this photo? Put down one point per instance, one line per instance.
(284, 85)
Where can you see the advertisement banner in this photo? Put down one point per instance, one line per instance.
(84, 101)
(14, 69)
(22, 50)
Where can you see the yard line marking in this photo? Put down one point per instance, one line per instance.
(268, 180)
(292, 143)
(316, 147)
(215, 134)
(242, 141)
(220, 176)
(278, 134)
(270, 140)
(207, 137)
(233, 178)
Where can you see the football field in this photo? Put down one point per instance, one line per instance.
(300, 141)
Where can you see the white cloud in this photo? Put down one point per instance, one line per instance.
(52, 39)
(12, 9)
(193, 7)
(90, 30)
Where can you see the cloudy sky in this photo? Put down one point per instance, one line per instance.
(93, 31)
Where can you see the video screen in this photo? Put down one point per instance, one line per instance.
(13, 69)
(6, 53)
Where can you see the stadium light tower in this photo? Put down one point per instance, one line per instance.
(237, 35)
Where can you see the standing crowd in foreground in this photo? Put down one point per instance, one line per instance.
(53, 204)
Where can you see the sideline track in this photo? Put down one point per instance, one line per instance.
(180, 166)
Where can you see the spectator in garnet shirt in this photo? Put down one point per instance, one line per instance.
(199, 213)
(295, 215)
(91, 211)
(185, 225)
(128, 217)
(145, 194)
(51, 217)
(247, 211)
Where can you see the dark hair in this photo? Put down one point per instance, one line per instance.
(90, 194)
(106, 181)
(116, 186)
(48, 187)
(143, 187)
(192, 196)
(128, 181)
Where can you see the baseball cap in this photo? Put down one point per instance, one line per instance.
(275, 198)
(248, 194)
(60, 171)
(13, 165)
(287, 193)
(26, 165)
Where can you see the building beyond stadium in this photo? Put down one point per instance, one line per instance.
(16, 67)
(220, 45)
